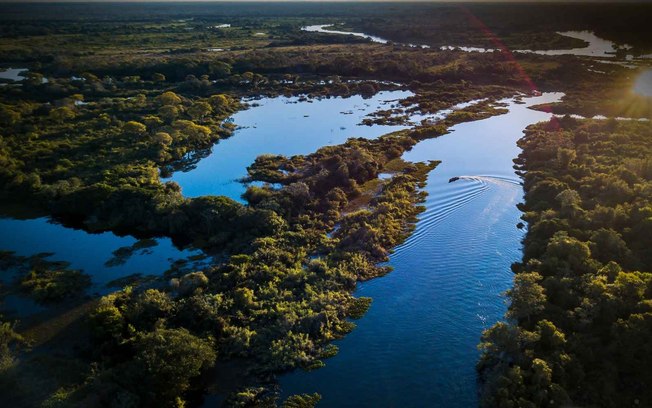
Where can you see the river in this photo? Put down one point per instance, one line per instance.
(418, 341)
(417, 344)
(596, 46)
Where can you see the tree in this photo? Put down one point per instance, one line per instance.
(541, 379)
(152, 121)
(199, 111)
(168, 113)
(220, 102)
(163, 139)
(148, 308)
(9, 339)
(565, 157)
(106, 321)
(629, 288)
(567, 256)
(502, 343)
(170, 359)
(169, 98)
(194, 133)
(528, 297)
(302, 401)
(8, 116)
(158, 77)
(607, 245)
(62, 114)
(134, 128)
(550, 337)
(138, 101)
(570, 202)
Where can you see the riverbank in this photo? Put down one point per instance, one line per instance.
(578, 329)
(447, 277)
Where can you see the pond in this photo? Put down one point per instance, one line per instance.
(417, 344)
(287, 126)
(105, 256)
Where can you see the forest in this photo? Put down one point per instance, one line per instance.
(580, 307)
(113, 100)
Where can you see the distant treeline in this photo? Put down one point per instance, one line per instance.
(431, 23)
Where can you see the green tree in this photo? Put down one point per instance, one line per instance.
(135, 128)
(199, 111)
(302, 401)
(169, 98)
(8, 116)
(168, 113)
(192, 132)
(220, 102)
(528, 297)
(62, 114)
(170, 359)
(163, 139)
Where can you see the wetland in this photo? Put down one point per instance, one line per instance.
(305, 204)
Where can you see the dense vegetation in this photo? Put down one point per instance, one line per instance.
(518, 26)
(281, 303)
(117, 98)
(580, 324)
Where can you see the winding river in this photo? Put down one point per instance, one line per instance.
(596, 46)
(417, 344)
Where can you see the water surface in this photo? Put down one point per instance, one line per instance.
(417, 345)
(284, 126)
(324, 28)
(92, 253)
(596, 47)
(13, 74)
